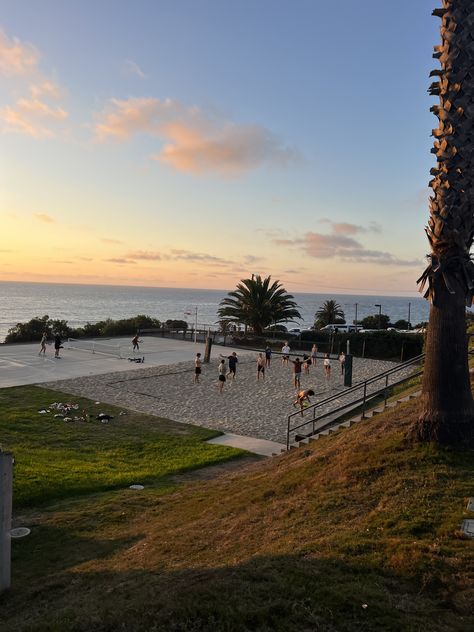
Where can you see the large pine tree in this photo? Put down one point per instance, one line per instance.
(447, 413)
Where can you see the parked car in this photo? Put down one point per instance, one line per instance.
(342, 328)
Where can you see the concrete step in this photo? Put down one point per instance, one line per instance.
(350, 422)
(347, 424)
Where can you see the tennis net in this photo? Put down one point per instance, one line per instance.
(94, 346)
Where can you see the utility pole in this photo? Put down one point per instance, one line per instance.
(355, 322)
(409, 321)
(380, 313)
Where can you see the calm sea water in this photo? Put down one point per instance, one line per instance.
(79, 304)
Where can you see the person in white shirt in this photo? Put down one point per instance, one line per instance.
(286, 354)
(342, 361)
(221, 371)
(327, 366)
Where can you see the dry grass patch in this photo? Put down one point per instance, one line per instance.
(360, 531)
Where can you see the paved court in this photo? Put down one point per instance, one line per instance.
(20, 363)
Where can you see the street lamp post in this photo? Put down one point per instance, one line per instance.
(409, 309)
(380, 312)
(355, 322)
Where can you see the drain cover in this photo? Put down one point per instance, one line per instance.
(20, 532)
(468, 528)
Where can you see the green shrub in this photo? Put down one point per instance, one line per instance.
(33, 329)
(176, 324)
(382, 345)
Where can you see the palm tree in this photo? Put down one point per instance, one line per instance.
(330, 312)
(447, 408)
(258, 303)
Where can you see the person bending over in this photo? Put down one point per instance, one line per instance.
(302, 398)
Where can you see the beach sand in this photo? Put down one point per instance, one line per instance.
(246, 406)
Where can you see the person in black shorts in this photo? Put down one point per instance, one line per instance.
(57, 345)
(197, 369)
(302, 398)
(260, 366)
(221, 375)
(268, 356)
(232, 359)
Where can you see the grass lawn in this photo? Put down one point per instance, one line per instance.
(358, 532)
(55, 459)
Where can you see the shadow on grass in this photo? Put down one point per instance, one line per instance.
(42, 554)
(278, 594)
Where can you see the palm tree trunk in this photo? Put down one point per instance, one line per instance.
(447, 414)
(447, 407)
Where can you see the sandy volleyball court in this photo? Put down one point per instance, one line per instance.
(246, 406)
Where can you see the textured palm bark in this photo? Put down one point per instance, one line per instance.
(447, 414)
(447, 407)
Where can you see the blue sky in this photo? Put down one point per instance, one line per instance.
(192, 143)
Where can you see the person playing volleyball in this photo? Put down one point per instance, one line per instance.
(302, 399)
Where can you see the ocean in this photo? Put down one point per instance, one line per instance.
(79, 304)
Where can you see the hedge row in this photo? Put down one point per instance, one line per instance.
(382, 345)
(33, 329)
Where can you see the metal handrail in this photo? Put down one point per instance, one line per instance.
(353, 403)
(359, 385)
(363, 399)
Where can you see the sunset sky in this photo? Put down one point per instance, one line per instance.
(191, 143)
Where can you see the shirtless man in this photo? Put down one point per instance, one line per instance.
(302, 397)
(197, 369)
(261, 366)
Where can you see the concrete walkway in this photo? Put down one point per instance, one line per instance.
(257, 446)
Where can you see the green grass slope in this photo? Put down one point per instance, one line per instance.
(360, 531)
(55, 459)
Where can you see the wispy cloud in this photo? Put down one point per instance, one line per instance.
(16, 58)
(32, 117)
(336, 245)
(344, 228)
(110, 240)
(249, 259)
(44, 217)
(144, 255)
(120, 260)
(195, 141)
(132, 68)
(38, 114)
(197, 257)
(176, 254)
